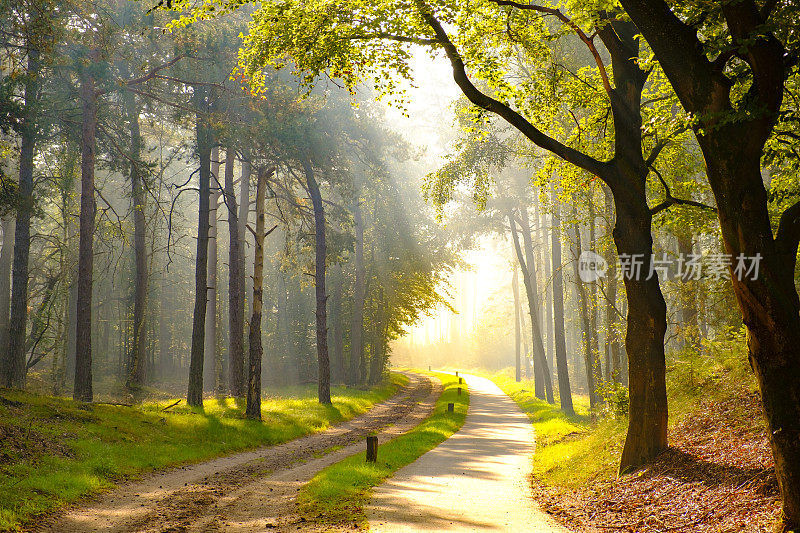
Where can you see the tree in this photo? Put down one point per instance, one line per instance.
(737, 99)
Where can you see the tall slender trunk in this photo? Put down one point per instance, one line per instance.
(526, 265)
(612, 321)
(548, 293)
(210, 381)
(194, 395)
(6, 258)
(359, 294)
(253, 409)
(583, 310)
(337, 335)
(323, 363)
(592, 302)
(138, 359)
(515, 290)
(244, 211)
(13, 371)
(690, 331)
(235, 285)
(564, 389)
(83, 338)
(542, 370)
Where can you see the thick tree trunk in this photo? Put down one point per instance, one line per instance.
(515, 290)
(564, 389)
(204, 141)
(13, 371)
(323, 363)
(530, 289)
(83, 338)
(253, 409)
(210, 370)
(235, 285)
(644, 342)
(359, 295)
(138, 359)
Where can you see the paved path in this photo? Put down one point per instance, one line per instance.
(477, 480)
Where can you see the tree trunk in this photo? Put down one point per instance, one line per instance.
(13, 372)
(515, 290)
(337, 334)
(644, 342)
(583, 309)
(83, 339)
(235, 285)
(527, 278)
(323, 363)
(210, 341)
(244, 212)
(690, 331)
(359, 295)
(138, 359)
(564, 389)
(612, 340)
(253, 409)
(204, 141)
(6, 258)
(592, 301)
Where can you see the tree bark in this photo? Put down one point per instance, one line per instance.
(359, 295)
(538, 348)
(204, 141)
(253, 409)
(6, 259)
(83, 339)
(13, 372)
(564, 389)
(323, 363)
(138, 359)
(235, 285)
(337, 334)
(210, 381)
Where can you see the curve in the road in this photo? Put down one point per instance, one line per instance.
(478, 480)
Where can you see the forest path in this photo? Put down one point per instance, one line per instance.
(249, 491)
(477, 480)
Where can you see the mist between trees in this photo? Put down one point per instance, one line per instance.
(138, 180)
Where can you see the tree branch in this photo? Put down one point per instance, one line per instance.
(587, 40)
(670, 200)
(488, 103)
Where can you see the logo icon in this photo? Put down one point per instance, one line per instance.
(591, 266)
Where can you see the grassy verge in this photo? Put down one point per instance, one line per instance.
(572, 451)
(338, 493)
(54, 450)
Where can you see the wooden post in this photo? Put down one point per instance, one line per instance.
(460, 381)
(451, 407)
(459, 391)
(372, 448)
(456, 372)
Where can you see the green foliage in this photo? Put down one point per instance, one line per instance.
(55, 450)
(615, 398)
(338, 493)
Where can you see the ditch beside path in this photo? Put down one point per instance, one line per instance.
(477, 480)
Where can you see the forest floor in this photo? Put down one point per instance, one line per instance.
(250, 491)
(717, 475)
(54, 451)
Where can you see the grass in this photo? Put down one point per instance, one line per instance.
(55, 450)
(574, 450)
(338, 493)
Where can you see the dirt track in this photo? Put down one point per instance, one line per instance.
(249, 491)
